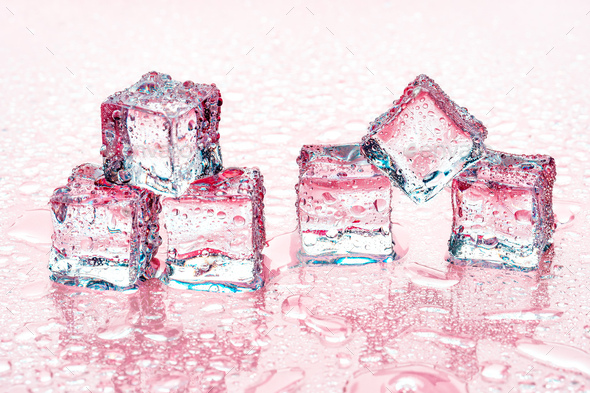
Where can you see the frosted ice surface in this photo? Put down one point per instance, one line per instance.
(161, 134)
(215, 233)
(104, 234)
(424, 140)
(503, 210)
(343, 205)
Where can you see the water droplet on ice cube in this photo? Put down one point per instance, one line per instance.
(380, 205)
(328, 198)
(239, 221)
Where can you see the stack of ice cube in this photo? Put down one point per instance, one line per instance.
(161, 166)
(502, 203)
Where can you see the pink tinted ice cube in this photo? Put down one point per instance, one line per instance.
(343, 206)
(161, 134)
(215, 233)
(502, 210)
(104, 234)
(424, 140)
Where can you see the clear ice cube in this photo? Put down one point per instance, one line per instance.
(502, 210)
(161, 134)
(343, 206)
(424, 140)
(104, 234)
(215, 233)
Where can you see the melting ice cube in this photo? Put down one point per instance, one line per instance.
(215, 233)
(424, 140)
(104, 234)
(502, 210)
(161, 134)
(343, 205)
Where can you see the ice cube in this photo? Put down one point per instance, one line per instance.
(343, 206)
(104, 234)
(503, 210)
(215, 233)
(424, 140)
(161, 134)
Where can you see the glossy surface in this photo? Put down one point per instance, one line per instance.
(419, 317)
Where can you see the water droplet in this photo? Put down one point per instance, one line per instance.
(494, 372)
(523, 216)
(413, 378)
(357, 211)
(328, 198)
(295, 307)
(333, 330)
(380, 205)
(557, 355)
(239, 221)
(147, 88)
(5, 366)
(213, 308)
(168, 333)
(344, 360)
(525, 315)
(332, 233)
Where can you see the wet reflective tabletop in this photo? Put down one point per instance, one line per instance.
(293, 74)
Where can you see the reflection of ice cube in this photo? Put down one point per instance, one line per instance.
(215, 233)
(161, 134)
(104, 234)
(503, 210)
(424, 140)
(343, 205)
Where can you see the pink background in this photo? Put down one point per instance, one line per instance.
(292, 73)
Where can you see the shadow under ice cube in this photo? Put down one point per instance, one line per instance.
(161, 134)
(502, 210)
(215, 233)
(343, 206)
(104, 234)
(424, 140)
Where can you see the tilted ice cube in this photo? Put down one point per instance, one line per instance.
(424, 140)
(503, 210)
(343, 205)
(104, 234)
(215, 233)
(161, 134)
